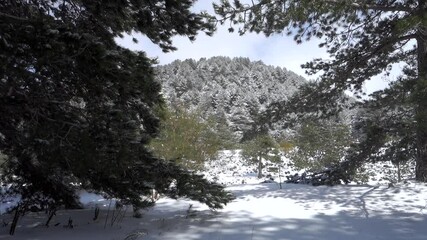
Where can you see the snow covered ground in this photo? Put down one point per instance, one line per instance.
(260, 212)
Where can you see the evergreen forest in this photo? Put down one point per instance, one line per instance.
(81, 113)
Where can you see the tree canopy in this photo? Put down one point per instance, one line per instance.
(320, 145)
(188, 140)
(364, 38)
(77, 110)
(261, 147)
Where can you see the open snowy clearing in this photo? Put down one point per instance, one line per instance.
(260, 211)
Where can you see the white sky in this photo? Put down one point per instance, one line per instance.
(276, 50)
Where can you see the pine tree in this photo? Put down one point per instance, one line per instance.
(319, 145)
(76, 109)
(187, 139)
(261, 147)
(364, 38)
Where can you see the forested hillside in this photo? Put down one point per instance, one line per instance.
(233, 90)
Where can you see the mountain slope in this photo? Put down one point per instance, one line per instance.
(235, 90)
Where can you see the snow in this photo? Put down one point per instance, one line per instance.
(235, 89)
(259, 212)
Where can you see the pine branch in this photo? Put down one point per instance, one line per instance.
(361, 5)
(8, 16)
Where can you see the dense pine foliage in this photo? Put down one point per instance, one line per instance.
(77, 110)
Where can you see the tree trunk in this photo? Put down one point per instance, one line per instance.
(259, 167)
(421, 101)
(51, 213)
(399, 173)
(15, 220)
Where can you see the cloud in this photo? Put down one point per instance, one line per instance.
(276, 50)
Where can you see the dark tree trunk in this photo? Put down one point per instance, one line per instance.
(15, 220)
(421, 100)
(259, 167)
(399, 173)
(51, 213)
